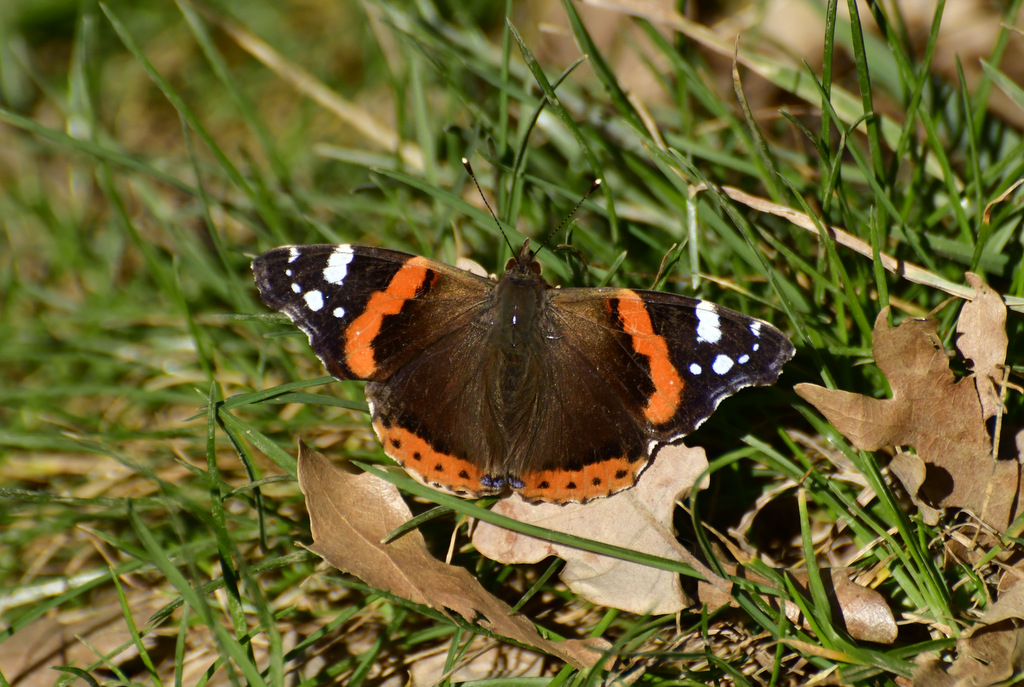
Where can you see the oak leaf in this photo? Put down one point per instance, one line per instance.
(937, 415)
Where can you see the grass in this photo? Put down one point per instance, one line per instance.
(150, 404)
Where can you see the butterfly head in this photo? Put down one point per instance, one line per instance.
(524, 264)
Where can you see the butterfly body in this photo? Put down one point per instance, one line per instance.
(478, 386)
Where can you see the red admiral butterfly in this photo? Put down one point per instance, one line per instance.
(477, 386)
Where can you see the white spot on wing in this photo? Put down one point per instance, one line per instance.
(337, 264)
(296, 288)
(315, 300)
(709, 326)
(293, 254)
(695, 369)
(722, 364)
(339, 312)
(755, 328)
(288, 272)
(743, 359)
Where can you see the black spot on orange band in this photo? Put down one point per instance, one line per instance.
(430, 466)
(561, 486)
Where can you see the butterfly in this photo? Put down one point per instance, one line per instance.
(479, 386)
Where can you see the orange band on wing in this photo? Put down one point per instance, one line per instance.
(594, 480)
(406, 283)
(429, 466)
(668, 385)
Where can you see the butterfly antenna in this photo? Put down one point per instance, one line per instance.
(469, 169)
(593, 187)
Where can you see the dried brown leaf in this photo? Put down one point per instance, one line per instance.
(911, 471)
(49, 641)
(933, 412)
(351, 513)
(484, 659)
(983, 341)
(81, 636)
(988, 653)
(639, 518)
(991, 655)
(861, 611)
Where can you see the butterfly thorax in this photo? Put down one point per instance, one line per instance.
(520, 322)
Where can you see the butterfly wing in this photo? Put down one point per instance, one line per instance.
(471, 399)
(630, 370)
(407, 325)
(713, 350)
(367, 311)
